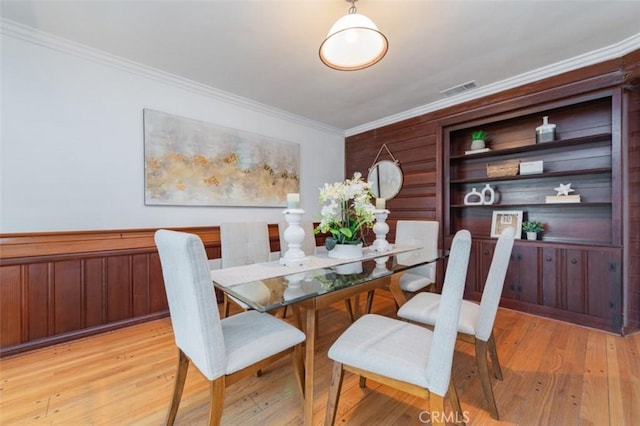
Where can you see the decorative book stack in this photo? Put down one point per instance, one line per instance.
(562, 199)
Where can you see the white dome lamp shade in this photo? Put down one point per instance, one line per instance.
(353, 43)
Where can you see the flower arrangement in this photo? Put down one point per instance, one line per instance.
(346, 211)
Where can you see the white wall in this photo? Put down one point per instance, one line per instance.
(72, 140)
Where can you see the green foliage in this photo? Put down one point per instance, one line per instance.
(478, 135)
(532, 226)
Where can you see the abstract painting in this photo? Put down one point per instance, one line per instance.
(193, 163)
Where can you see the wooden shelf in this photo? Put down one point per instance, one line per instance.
(602, 137)
(600, 170)
(493, 206)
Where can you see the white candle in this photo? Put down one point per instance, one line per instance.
(293, 201)
(380, 203)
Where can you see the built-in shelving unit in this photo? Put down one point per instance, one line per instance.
(573, 270)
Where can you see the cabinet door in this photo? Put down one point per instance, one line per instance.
(604, 286)
(485, 255)
(521, 282)
(550, 277)
(574, 282)
(472, 286)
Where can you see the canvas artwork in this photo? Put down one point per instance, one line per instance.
(193, 163)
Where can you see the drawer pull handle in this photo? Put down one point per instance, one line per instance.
(574, 261)
(548, 258)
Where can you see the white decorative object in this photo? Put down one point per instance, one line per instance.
(532, 236)
(349, 268)
(473, 198)
(293, 201)
(381, 229)
(381, 267)
(381, 263)
(546, 132)
(477, 144)
(381, 203)
(564, 189)
(346, 251)
(293, 235)
(487, 191)
(531, 167)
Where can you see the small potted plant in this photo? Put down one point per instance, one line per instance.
(532, 228)
(477, 139)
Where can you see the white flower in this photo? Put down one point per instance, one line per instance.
(346, 209)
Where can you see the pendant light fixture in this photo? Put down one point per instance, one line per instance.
(353, 43)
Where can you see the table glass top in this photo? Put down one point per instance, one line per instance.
(274, 292)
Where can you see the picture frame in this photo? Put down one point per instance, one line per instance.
(502, 219)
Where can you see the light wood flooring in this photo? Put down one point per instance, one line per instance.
(554, 374)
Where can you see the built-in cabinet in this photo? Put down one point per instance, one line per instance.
(574, 270)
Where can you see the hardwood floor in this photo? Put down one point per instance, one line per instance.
(554, 373)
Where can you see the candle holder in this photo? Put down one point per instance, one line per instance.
(380, 228)
(293, 235)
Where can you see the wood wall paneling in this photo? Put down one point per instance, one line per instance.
(60, 286)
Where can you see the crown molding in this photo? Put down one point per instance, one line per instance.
(610, 52)
(41, 38)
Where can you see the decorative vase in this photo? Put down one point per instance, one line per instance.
(532, 236)
(546, 132)
(346, 251)
(489, 192)
(477, 144)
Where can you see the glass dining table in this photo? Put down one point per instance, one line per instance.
(320, 282)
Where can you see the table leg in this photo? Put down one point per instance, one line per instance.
(396, 291)
(310, 344)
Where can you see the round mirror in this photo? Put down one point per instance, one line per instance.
(385, 179)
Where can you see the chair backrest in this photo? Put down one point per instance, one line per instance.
(192, 303)
(422, 233)
(308, 245)
(446, 327)
(493, 285)
(243, 243)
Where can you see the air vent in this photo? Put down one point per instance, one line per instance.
(459, 88)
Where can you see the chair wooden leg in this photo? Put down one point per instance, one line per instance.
(334, 394)
(455, 402)
(298, 367)
(436, 408)
(216, 393)
(485, 380)
(493, 353)
(178, 387)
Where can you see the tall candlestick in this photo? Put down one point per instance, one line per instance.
(293, 200)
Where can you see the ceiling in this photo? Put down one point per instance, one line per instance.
(267, 51)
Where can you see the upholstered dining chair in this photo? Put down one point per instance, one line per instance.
(475, 324)
(406, 356)
(226, 350)
(422, 233)
(244, 243)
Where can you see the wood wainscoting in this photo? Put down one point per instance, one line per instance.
(60, 286)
